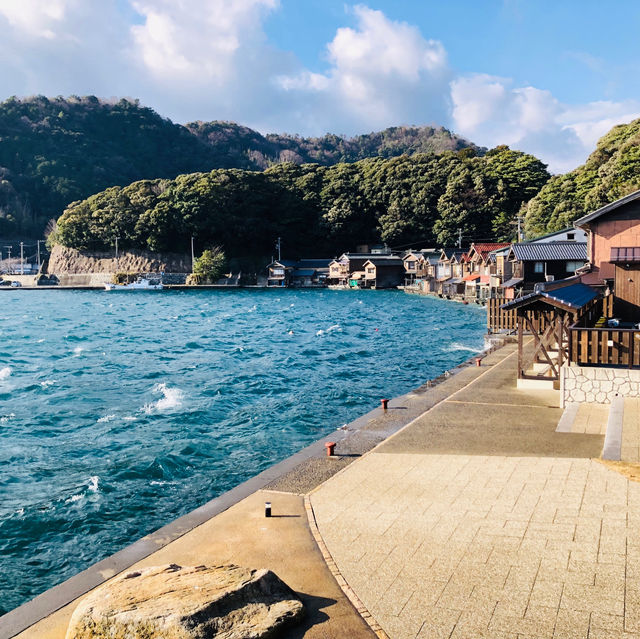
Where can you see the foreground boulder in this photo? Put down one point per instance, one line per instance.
(172, 602)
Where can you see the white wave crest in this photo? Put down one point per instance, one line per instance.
(170, 400)
(5, 372)
(456, 346)
(77, 350)
(334, 327)
(106, 418)
(94, 480)
(5, 418)
(47, 383)
(92, 487)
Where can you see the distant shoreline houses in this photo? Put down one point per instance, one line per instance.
(475, 274)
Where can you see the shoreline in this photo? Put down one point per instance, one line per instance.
(298, 473)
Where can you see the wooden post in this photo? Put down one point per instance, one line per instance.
(520, 323)
(559, 321)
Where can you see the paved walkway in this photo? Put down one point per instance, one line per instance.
(244, 536)
(591, 419)
(631, 430)
(479, 520)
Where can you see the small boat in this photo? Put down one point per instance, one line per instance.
(141, 284)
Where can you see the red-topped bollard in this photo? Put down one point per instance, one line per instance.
(330, 446)
(384, 403)
(478, 361)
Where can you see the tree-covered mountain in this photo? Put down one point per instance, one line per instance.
(316, 209)
(264, 151)
(57, 150)
(611, 172)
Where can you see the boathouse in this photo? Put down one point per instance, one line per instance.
(383, 271)
(279, 272)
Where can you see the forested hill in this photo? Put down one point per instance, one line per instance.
(611, 172)
(260, 152)
(317, 210)
(54, 151)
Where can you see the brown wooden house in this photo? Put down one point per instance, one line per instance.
(613, 251)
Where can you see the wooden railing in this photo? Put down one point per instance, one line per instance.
(604, 346)
(499, 319)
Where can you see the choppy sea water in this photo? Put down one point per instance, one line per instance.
(120, 411)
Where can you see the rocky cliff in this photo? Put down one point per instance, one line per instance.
(65, 260)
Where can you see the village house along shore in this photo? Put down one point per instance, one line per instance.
(503, 505)
(482, 271)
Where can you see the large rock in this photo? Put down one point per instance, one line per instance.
(171, 602)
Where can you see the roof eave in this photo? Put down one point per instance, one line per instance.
(585, 220)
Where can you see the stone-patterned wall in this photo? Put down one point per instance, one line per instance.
(597, 385)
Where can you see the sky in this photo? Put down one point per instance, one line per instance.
(542, 76)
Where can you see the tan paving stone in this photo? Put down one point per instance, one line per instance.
(492, 524)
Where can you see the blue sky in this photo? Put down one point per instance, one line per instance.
(545, 77)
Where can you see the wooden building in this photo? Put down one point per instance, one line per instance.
(548, 315)
(279, 272)
(418, 265)
(342, 269)
(383, 272)
(533, 262)
(613, 251)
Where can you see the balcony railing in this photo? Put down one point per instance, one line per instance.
(604, 346)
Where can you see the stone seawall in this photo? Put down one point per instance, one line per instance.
(64, 260)
(597, 385)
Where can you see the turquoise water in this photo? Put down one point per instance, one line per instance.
(121, 411)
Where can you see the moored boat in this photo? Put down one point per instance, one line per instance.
(141, 284)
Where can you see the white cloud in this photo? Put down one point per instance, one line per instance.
(54, 47)
(490, 111)
(382, 73)
(37, 18)
(200, 38)
(211, 59)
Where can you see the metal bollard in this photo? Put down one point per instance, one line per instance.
(330, 446)
(267, 509)
(384, 403)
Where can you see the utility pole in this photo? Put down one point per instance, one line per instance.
(21, 258)
(278, 244)
(520, 220)
(459, 238)
(39, 255)
(117, 238)
(193, 258)
(8, 259)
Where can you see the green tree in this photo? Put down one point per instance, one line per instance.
(209, 267)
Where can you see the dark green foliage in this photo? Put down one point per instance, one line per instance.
(208, 268)
(316, 210)
(55, 150)
(611, 172)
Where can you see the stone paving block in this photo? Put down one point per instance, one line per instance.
(522, 577)
(546, 594)
(607, 622)
(571, 624)
(395, 597)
